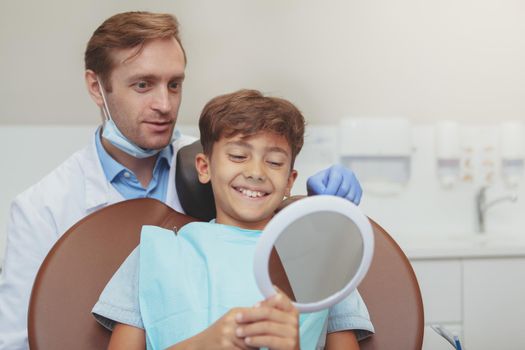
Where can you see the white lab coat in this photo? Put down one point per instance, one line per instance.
(40, 215)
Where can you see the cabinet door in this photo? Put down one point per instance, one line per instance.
(440, 283)
(494, 304)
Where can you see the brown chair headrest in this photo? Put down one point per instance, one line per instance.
(196, 198)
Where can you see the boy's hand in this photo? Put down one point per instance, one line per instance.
(221, 334)
(273, 324)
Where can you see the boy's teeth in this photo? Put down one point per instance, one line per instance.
(249, 193)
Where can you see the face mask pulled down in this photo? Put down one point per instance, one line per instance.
(112, 133)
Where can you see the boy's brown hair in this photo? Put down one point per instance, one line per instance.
(249, 112)
(124, 31)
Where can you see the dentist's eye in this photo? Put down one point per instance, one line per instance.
(141, 85)
(236, 157)
(174, 85)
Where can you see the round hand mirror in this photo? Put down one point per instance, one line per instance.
(316, 250)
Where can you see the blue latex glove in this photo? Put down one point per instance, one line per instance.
(337, 181)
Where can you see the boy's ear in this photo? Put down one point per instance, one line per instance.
(202, 164)
(291, 180)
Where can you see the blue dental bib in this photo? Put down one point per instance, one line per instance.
(189, 280)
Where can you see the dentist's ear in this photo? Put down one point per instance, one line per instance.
(93, 87)
(202, 164)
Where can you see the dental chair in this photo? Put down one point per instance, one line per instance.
(82, 261)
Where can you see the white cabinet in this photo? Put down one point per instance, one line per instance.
(440, 283)
(494, 303)
(441, 288)
(480, 299)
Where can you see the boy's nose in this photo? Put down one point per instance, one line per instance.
(255, 172)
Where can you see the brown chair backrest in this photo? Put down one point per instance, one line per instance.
(392, 295)
(83, 260)
(78, 267)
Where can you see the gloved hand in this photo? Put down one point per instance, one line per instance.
(336, 180)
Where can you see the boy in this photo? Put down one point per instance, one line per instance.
(186, 289)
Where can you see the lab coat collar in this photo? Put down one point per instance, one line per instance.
(99, 192)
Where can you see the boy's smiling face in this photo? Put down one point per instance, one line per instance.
(250, 177)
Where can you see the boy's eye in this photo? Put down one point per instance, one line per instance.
(174, 85)
(236, 157)
(275, 164)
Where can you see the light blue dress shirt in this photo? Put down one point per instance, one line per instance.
(125, 181)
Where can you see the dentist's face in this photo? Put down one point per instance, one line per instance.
(146, 92)
(249, 176)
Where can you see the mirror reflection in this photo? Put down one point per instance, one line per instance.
(316, 256)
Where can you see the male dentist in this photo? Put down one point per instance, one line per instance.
(135, 66)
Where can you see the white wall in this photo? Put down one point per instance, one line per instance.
(29, 154)
(424, 60)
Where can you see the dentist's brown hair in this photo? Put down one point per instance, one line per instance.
(124, 31)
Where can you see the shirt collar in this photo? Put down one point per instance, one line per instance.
(112, 168)
(167, 154)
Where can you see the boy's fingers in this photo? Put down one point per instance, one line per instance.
(279, 301)
(227, 326)
(239, 343)
(270, 342)
(265, 313)
(266, 328)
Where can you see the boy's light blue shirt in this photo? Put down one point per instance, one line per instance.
(125, 181)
